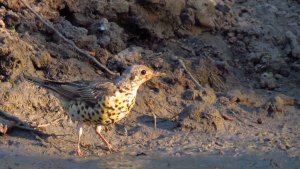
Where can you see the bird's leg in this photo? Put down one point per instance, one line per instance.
(79, 131)
(98, 131)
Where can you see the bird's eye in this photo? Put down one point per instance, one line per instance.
(143, 72)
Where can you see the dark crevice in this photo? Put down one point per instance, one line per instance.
(132, 26)
(5, 6)
(67, 14)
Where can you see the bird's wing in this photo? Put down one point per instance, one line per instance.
(87, 91)
(76, 90)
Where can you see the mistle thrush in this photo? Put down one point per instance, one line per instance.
(98, 103)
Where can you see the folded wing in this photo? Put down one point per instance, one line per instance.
(77, 90)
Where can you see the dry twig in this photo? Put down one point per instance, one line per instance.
(68, 41)
(48, 124)
(154, 117)
(190, 74)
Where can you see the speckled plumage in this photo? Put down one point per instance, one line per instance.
(98, 103)
(109, 109)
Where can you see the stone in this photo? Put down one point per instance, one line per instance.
(189, 94)
(267, 81)
(295, 46)
(187, 18)
(201, 117)
(204, 11)
(11, 19)
(120, 6)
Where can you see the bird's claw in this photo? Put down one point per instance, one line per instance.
(111, 149)
(79, 153)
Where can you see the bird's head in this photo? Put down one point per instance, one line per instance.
(138, 74)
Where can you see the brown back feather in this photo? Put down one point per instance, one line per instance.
(87, 91)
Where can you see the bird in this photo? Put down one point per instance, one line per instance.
(98, 103)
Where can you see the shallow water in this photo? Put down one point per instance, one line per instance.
(253, 160)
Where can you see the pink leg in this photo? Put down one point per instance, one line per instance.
(79, 131)
(98, 131)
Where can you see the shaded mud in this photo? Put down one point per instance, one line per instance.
(246, 54)
(249, 160)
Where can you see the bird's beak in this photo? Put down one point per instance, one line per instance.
(159, 74)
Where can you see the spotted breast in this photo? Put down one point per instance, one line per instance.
(110, 109)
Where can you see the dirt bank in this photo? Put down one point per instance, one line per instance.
(246, 54)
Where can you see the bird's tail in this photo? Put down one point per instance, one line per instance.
(35, 80)
(48, 84)
(52, 86)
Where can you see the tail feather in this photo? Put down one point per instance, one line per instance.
(64, 90)
(87, 91)
(34, 80)
(56, 87)
(48, 84)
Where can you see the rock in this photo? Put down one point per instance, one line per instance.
(87, 42)
(235, 96)
(201, 117)
(224, 100)
(104, 41)
(5, 125)
(120, 6)
(109, 35)
(11, 60)
(295, 67)
(131, 54)
(155, 19)
(295, 46)
(172, 100)
(159, 64)
(243, 96)
(2, 24)
(5, 86)
(259, 121)
(41, 60)
(14, 57)
(208, 95)
(81, 19)
(254, 58)
(278, 76)
(23, 28)
(267, 81)
(204, 11)
(190, 94)
(284, 71)
(98, 6)
(187, 18)
(125, 58)
(100, 26)
(70, 31)
(12, 4)
(275, 105)
(11, 19)
(118, 38)
(175, 8)
(102, 55)
(36, 62)
(222, 8)
(2, 11)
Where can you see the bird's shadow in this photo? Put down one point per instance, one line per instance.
(161, 123)
(18, 128)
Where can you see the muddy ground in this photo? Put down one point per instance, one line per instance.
(246, 54)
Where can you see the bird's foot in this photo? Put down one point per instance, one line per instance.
(79, 153)
(111, 149)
